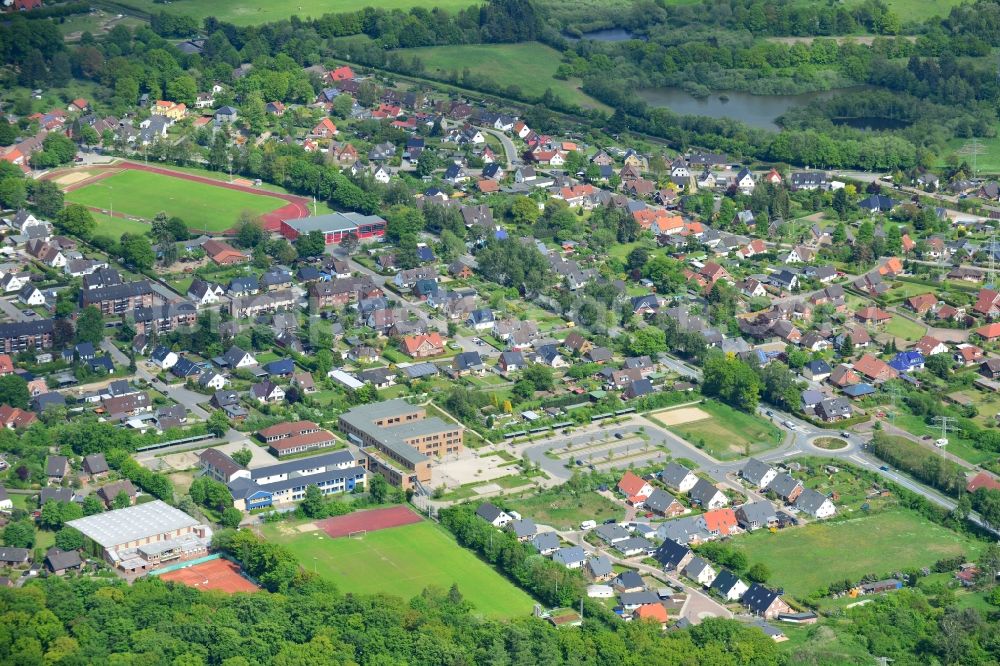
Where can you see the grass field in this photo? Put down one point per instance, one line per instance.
(983, 155)
(114, 227)
(729, 433)
(530, 66)
(253, 12)
(807, 558)
(905, 329)
(563, 510)
(403, 561)
(142, 194)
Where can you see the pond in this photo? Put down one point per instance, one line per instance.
(606, 35)
(754, 110)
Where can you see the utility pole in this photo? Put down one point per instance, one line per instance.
(893, 390)
(944, 421)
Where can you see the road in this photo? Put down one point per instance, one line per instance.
(510, 152)
(12, 312)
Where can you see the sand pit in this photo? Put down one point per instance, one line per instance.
(73, 177)
(672, 417)
(308, 527)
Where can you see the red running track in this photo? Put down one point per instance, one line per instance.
(372, 521)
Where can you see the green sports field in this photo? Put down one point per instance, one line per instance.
(804, 559)
(254, 12)
(530, 66)
(143, 194)
(403, 561)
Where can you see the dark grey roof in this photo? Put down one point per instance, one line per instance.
(725, 581)
(14, 555)
(783, 485)
(569, 555)
(612, 532)
(759, 598)
(545, 541)
(56, 494)
(703, 492)
(755, 470)
(640, 598)
(660, 500)
(629, 579)
(55, 465)
(810, 501)
(600, 565)
(670, 553)
(634, 543)
(115, 292)
(523, 528)
(489, 511)
(696, 566)
(673, 474)
(59, 560)
(760, 512)
(95, 463)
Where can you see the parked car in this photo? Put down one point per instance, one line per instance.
(588, 525)
(619, 435)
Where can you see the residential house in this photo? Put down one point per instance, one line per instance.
(56, 468)
(664, 504)
(673, 556)
(815, 504)
(729, 586)
(756, 515)
(571, 557)
(267, 392)
(678, 478)
(929, 346)
(758, 474)
(765, 602)
(699, 570)
(635, 488)
(423, 346)
(545, 543)
(707, 496)
(493, 514)
(874, 369)
(786, 487)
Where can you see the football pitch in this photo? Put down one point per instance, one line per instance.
(402, 561)
(143, 194)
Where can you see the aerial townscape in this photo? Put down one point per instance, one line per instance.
(500, 332)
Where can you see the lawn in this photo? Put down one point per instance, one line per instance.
(254, 12)
(983, 154)
(729, 434)
(563, 510)
(530, 66)
(114, 227)
(142, 194)
(904, 328)
(804, 559)
(957, 444)
(403, 561)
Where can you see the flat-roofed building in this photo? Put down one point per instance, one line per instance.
(397, 438)
(296, 437)
(143, 537)
(286, 482)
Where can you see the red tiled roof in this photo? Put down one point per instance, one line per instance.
(631, 484)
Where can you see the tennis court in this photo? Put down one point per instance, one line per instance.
(218, 574)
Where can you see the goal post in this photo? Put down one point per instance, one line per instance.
(357, 534)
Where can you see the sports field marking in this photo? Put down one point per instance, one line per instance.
(672, 417)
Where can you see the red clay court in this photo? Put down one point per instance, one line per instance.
(219, 574)
(372, 521)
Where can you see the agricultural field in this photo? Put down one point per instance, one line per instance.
(530, 66)
(564, 510)
(142, 194)
(723, 432)
(403, 561)
(804, 559)
(255, 12)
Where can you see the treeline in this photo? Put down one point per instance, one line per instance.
(270, 564)
(87, 620)
(552, 583)
(920, 462)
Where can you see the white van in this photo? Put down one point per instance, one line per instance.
(588, 524)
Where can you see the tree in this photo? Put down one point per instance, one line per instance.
(378, 488)
(349, 243)
(312, 503)
(939, 364)
(342, 106)
(14, 391)
(312, 244)
(648, 341)
(47, 197)
(637, 258)
(92, 505)
(136, 251)
(182, 89)
(69, 538)
(217, 423)
(121, 500)
(758, 573)
(20, 534)
(231, 517)
(541, 376)
(13, 193)
(90, 326)
(846, 346)
(243, 456)
(524, 211)
(76, 220)
(249, 231)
